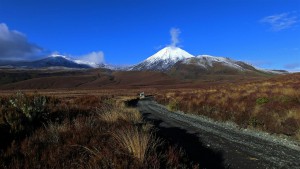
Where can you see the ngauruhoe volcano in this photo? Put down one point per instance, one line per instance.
(163, 59)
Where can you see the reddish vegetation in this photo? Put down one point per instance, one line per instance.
(97, 78)
(270, 105)
(73, 131)
(79, 132)
(106, 79)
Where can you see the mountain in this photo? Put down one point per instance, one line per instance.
(208, 62)
(163, 59)
(52, 61)
(203, 65)
(56, 61)
(170, 59)
(176, 61)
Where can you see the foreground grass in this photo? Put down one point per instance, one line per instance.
(80, 132)
(271, 105)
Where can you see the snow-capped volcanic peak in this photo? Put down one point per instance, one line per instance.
(170, 53)
(163, 59)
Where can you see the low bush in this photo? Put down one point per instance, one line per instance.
(173, 105)
(262, 100)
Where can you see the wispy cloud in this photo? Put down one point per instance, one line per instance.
(94, 57)
(15, 46)
(281, 21)
(174, 32)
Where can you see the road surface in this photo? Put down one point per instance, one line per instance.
(214, 145)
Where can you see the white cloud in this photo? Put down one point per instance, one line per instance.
(281, 21)
(174, 36)
(94, 57)
(15, 46)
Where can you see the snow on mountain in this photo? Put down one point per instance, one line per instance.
(273, 71)
(58, 55)
(167, 57)
(173, 54)
(55, 61)
(163, 59)
(84, 62)
(208, 61)
(81, 62)
(90, 64)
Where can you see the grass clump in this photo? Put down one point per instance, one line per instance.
(128, 114)
(136, 141)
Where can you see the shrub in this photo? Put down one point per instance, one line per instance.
(262, 100)
(23, 112)
(291, 126)
(254, 122)
(173, 105)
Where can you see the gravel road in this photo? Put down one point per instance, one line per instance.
(218, 145)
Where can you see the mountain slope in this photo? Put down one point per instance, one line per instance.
(208, 62)
(56, 61)
(210, 65)
(50, 61)
(163, 59)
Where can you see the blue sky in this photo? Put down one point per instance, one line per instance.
(265, 33)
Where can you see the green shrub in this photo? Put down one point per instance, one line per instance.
(262, 100)
(254, 122)
(23, 112)
(173, 105)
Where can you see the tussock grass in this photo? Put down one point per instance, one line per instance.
(136, 141)
(55, 129)
(119, 113)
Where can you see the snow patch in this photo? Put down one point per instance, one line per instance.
(171, 54)
(209, 60)
(91, 64)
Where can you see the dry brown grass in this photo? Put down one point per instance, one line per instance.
(271, 105)
(136, 141)
(121, 113)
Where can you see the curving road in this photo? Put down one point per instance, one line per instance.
(214, 145)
